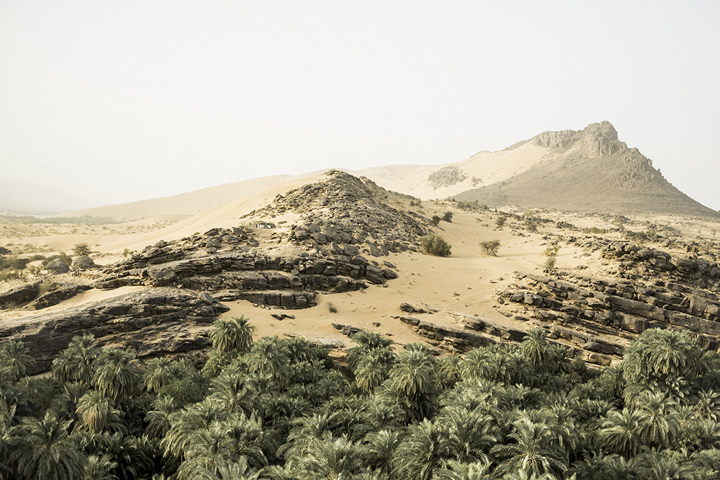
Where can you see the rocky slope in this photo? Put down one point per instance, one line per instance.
(338, 227)
(589, 170)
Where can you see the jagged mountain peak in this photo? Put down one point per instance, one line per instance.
(597, 139)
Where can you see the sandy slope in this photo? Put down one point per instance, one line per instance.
(467, 283)
(190, 203)
(483, 168)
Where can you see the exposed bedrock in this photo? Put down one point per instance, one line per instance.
(152, 322)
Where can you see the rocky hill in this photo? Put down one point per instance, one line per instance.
(338, 227)
(589, 171)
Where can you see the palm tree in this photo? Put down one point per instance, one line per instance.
(7, 419)
(662, 356)
(371, 371)
(472, 433)
(657, 427)
(222, 443)
(234, 391)
(534, 450)
(536, 348)
(99, 468)
(267, 357)
(116, 374)
(367, 342)
(328, 458)
(414, 379)
(158, 373)
(75, 363)
(159, 418)
(94, 409)
(188, 422)
(450, 372)
(15, 362)
(619, 432)
(232, 336)
(44, 450)
(708, 404)
(425, 448)
(456, 470)
(381, 447)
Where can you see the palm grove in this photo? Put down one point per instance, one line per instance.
(278, 409)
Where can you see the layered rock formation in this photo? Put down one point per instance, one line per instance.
(152, 322)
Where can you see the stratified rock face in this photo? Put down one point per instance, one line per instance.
(280, 281)
(344, 214)
(152, 322)
(653, 289)
(590, 170)
(18, 295)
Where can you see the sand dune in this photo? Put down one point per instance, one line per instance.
(224, 216)
(190, 203)
(442, 181)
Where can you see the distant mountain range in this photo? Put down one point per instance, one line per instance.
(589, 170)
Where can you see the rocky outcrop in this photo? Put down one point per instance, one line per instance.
(153, 322)
(56, 296)
(19, 295)
(347, 215)
(589, 170)
(289, 281)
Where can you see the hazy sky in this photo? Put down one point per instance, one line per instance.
(122, 100)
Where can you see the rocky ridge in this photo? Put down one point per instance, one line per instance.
(340, 218)
(590, 170)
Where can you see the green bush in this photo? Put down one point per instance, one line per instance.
(448, 216)
(490, 247)
(81, 249)
(435, 245)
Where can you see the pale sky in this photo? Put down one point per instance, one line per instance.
(124, 100)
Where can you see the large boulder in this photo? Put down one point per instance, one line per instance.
(83, 262)
(57, 266)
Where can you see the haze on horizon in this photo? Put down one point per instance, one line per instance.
(121, 101)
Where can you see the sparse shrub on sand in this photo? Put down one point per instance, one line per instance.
(435, 245)
(552, 250)
(435, 220)
(550, 263)
(332, 307)
(500, 221)
(448, 216)
(490, 247)
(81, 249)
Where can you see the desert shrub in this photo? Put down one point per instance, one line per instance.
(332, 308)
(490, 247)
(13, 263)
(435, 245)
(550, 263)
(639, 237)
(5, 251)
(81, 249)
(47, 286)
(500, 221)
(62, 256)
(447, 216)
(552, 250)
(435, 220)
